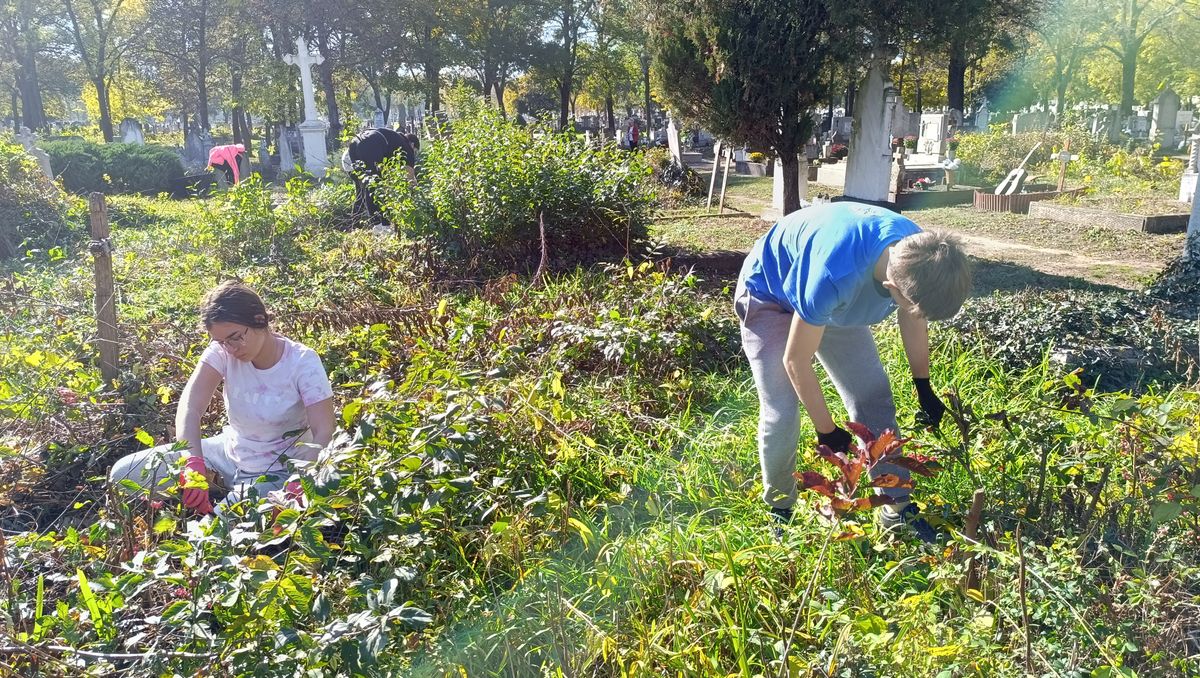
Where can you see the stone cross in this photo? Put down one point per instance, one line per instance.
(316, 157)
(305, 61)
(1064, 158)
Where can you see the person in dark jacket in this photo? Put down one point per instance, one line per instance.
(364, 158)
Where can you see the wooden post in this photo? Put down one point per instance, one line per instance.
(971, 531)
(106, 305)
(724, 180)
(1064, 158)
(712, 179)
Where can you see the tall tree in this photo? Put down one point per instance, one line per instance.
(1067, 32)
(749, 70)
(21, 28)
(187, 38)
(1128, 30)
(102, 31)
(567, 21)
(496, 38)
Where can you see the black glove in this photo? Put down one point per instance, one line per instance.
(837, 440)
(932, 407)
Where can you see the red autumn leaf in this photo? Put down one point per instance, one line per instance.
(887, 444)
(873, 501)
(864, 434)
(811, 480)
(911, 464)
(891, 480)
(838, 459)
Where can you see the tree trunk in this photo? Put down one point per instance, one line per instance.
(241, 131)
(500, 85)
(956, 76)
(433, 85)
(851, 92)
(612, 116)
(330, 89)
(790, 166)
(646, 83)
(1128, 73)
(32, 110)
(202, 96)
(16, 112)
(106, 123)
(564, 103)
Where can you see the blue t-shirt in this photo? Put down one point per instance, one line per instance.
(820, 262)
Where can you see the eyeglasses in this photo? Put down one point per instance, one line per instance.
(234, 340)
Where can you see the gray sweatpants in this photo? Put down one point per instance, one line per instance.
(852, 361)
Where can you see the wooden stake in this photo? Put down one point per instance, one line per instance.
(1024, 601)
(1063, 158)
(106, 305)
(712, 179)
(971, 531)
(725, 180)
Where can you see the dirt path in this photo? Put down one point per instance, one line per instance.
(1127, 273)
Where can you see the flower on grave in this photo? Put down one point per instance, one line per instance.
(910, 142)
(922, 183)
(838, 151)
(952, 143)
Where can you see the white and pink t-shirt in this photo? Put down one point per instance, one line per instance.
(263, 405)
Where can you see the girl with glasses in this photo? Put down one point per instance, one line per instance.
(278, 401)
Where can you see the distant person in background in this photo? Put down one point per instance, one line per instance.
(278, 401)
(228, 159)
(364, 158)
(634, 134)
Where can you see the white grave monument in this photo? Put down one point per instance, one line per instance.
(1187, 184)
(673, 142)
(316, 156)
(869, 164)
(776, 212)
(131, 132)
(1165, 119)
(932, 140)
(28, 140)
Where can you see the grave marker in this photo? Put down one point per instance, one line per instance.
(106, 310)
(28, 140)
(1064, 158)
(1165, 119)
(316, 157)
(131, 132)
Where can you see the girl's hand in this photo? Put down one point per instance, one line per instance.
(193, 480)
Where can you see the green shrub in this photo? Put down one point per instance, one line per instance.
(33, 211)
(115, 168)
(483, 186)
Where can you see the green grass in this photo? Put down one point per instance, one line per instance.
(564, 477)
(707, 234)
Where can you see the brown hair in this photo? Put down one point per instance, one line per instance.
(933, 271)
(234, 302)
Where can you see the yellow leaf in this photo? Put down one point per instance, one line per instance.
(143, 437)
(976, 595)
(943, 650)
(164, 392)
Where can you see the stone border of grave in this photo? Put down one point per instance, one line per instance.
(1084, 216)
(1019, 203)
(917, 200)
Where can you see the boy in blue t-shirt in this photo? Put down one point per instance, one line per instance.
(812, 286)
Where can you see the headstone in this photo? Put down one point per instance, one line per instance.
(196, 146)
(1164, 118)
(1183, 123)
(1187, 184)
(983, 116)
(673, 144)
(869, 163)
(776, 211)
(287, 159)
(1030, 121)
(131, 132)
(842, 128)
(28, 140)
(316, 157)
(934, 129)
(1138, 125)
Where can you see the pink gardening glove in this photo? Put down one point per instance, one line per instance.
(195, 490)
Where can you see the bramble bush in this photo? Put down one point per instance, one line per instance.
(486, 184)
(85, 167)
(34, 212)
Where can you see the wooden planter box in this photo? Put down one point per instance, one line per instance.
(1017, 203)
(1163, 223)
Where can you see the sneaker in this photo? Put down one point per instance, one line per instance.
(910, 518)
(779, 518)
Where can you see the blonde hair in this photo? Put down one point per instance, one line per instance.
(932, 270)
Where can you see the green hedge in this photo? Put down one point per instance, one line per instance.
(115, 168)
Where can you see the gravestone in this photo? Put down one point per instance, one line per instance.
(932, 140)
(868, 166)
(905, 122)
(1030, 121)
(28, 140)
(316, 156)
(380, 120)
(196, 147)
(1165, 118)
(1183, 123)
(842, 128)
(983, 116)
(287, 158)
(673, 144)
(131, 132)
(1138, 125)
(776, 211)
(1187, 184)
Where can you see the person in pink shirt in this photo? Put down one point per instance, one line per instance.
(278, 401)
